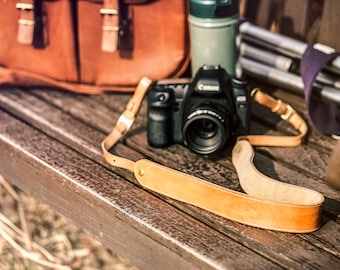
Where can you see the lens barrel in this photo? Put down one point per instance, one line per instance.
(205, 131)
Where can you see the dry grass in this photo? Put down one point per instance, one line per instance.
(32, 236)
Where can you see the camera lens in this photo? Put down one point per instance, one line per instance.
(205, 131)
(206, 128)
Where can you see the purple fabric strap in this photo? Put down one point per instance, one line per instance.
(325, 117)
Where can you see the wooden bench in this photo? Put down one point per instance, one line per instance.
(50, 148)
(49, 143)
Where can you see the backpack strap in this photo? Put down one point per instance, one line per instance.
(25, 22)
(31, 25)
(110, 27)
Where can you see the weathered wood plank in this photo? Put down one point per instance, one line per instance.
(329, 231)
(294, 155)
(107, 126)
(207, 169)
(132, 222)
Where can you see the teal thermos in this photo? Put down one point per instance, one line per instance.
(213, 26)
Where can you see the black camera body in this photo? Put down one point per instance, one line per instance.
(204, 113)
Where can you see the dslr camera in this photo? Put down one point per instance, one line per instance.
(204, 113)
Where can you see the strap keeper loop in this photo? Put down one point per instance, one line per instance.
(288, 114)
(110, 28)
(278, 106)
(109, 11)
(127, 118)
(24, 6)
(26, 22)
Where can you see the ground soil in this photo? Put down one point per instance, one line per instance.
(66, 246)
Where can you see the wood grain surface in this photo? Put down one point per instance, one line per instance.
(51, 144)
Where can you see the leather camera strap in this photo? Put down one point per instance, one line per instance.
(268, 204)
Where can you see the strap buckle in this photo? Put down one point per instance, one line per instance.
(110, 29)
(24, 6)
(289, 113)
(127, 118)
(108, 11)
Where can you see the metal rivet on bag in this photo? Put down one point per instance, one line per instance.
(141, 172)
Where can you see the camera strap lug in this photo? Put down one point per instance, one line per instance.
(267, 203)
(126, 119)
(123, 125)
(290, 112)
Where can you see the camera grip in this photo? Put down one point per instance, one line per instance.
(159, 125)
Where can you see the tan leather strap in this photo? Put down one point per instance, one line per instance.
(287, 113)
(122, 126)
(268, 204)
(25, 22)
(110, 27)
